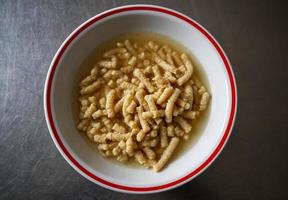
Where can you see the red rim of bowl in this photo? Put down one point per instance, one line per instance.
(83, 170)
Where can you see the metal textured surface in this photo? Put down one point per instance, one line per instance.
(253, 164)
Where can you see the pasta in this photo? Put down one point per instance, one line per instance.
(138, 102)
(170, 105)
(165, 95)
(110, 104)
(166, 154)
(189, 70)
(91, 88)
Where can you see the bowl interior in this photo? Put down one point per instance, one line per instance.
(193, 40)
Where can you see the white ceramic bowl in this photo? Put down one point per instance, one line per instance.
(63, 69)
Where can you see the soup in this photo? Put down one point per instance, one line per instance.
(143, 99)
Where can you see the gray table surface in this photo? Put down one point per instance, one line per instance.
(253, 164)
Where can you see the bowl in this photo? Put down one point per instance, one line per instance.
(59, 88)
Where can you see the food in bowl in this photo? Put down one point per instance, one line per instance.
(139, 100)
